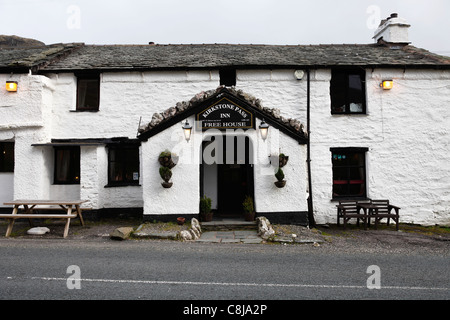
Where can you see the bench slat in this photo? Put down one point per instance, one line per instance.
(37, 216)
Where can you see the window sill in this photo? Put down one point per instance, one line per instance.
(124, 184)
(348, 198)
(66, 183)
(349, 113)
(93, 110)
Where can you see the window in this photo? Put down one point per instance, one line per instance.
(227, 77)
(348, 92)
(123, 165)
(88, 93)
(349, 172)
(67, 165)
(6, 156)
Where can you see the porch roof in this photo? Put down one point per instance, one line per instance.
(174, 115)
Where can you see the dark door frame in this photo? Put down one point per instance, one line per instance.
(249, 170)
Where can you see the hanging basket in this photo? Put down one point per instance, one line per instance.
(280, 184)
(166, 184)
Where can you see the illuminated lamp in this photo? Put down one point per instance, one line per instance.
(187, 130)
(264, 128)
(11, 86)
(387, 84)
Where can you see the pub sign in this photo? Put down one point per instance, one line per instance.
(225, 114)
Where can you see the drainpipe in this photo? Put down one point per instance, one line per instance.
(311, 220)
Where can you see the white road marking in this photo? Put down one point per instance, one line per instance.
(242, 284)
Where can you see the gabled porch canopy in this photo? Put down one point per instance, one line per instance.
(245, 104)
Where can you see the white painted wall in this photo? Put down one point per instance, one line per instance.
(25, 119)
(7, 187)
(406, 131)
(184, 195)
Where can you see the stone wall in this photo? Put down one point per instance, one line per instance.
(407, 134)
(405, 130)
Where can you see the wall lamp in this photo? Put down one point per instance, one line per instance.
(387, 84)
(11, 86)
(264, 128)
(187, 128)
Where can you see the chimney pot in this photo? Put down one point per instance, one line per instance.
(393, 30)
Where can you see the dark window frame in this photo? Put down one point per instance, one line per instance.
(74, 168)
(123, 162)
(88, 78)
(6, 150)
(227, 77)
(349, 182)
(338, 96)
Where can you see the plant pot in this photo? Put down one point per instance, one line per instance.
(280, 184)
(249, 216)
(181, 220)
(166, 184)
(206, 217)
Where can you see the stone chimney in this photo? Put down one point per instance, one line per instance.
(393, 30)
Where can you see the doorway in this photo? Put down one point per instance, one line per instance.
(229, 179)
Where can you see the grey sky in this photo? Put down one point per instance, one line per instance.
(220, 21)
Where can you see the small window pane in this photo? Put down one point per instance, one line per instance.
(338, 92)
(355, 93)
(88, 94)
(227, 77)
(123, 165)
(7, 157)
(347, 92)
(349, 173)
(67, 165)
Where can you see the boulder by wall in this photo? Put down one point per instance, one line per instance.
(265, 230)
(192, 234)
(122, 233)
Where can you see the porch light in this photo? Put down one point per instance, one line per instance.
(387, 84)
(187, 130)
(264, 128)
(11, 86)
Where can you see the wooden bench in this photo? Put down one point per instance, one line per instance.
(29, 206)
(381, 209)
(366, 210)
(348, 209)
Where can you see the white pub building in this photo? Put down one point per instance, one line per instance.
(361, 121)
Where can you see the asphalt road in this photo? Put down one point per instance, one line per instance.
(164, 270)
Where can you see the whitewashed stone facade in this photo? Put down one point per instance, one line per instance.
(404, 130)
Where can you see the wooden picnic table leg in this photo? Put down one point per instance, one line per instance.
(11, 221)
(29, 210)
(66, 228)
(376, 218)
(365, 217)
(77, 207)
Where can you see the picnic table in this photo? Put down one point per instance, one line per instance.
(365, 210)
(72, 210)
(378, 210)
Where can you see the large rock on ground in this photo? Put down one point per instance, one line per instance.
(265, 230)
(121, 233)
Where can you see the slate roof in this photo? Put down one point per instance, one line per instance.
(24, 58)
(80, 57)
(201, 56)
